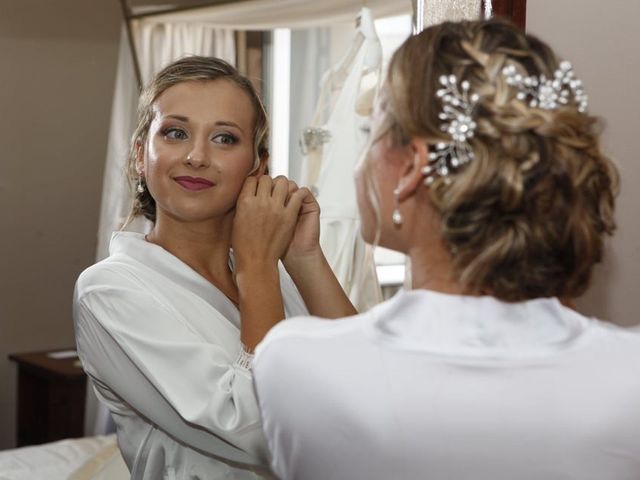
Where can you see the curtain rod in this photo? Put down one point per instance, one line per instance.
(211, 3)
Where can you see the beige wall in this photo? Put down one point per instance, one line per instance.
(56, 83)
(601, 40)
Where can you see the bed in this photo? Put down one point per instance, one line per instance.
(95, 458)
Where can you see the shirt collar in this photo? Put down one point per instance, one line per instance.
(483, 325)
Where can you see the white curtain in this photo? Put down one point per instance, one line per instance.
(294, 14)
(160, 43)
(116, 199)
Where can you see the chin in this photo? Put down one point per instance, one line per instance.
(197, 215)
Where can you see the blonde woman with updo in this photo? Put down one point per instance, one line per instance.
(166, 325)
(484, 166)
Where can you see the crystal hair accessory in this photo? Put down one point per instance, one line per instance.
(458, 106)
(548, 93)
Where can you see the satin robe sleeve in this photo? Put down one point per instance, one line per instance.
(138, 346)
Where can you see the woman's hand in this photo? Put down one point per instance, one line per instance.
(265, 219)
(266, 215)
(306, 236)
(306, 264)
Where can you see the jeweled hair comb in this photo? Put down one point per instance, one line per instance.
(459, 104)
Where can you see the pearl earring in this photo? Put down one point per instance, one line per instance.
(396, 216)
(139, 187)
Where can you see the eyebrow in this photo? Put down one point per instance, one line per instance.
(223, 123)
(227, 123)
(178, 117)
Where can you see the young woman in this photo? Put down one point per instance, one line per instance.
(484, 167)
(165, 326)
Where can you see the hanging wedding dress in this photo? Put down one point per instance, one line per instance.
(332, 146)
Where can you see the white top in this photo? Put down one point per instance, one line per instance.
(435, 386)
(162, 346)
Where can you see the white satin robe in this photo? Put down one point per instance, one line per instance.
(162, 345)
(434, 386)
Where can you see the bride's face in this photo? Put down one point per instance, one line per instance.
(199, 149)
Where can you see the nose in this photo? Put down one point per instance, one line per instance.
(198, 156)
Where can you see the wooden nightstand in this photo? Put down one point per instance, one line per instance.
(51, 396)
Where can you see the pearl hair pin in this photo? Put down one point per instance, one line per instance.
(548, 93)
(459, 104)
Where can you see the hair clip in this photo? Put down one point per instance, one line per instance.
(458, 105)
(548, 93)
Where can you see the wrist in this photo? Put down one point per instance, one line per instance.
(257, 264)
(302, 262)
(252, 273)
(312, 255)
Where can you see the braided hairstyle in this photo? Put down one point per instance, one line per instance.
(527, 216)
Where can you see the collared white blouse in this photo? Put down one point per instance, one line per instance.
(162, 346)
(438, 386)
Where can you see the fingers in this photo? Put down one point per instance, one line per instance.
(277, 188)
(249, 187)
(264, 186)
(293, 186)
(296, 199)
(280, 189)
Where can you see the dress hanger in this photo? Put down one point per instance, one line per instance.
(359, 17)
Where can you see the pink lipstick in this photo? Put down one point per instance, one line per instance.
(194, 183)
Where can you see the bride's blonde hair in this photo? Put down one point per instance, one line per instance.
(526, 218)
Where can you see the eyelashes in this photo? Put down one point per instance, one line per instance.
(175, 133)
(225, 139)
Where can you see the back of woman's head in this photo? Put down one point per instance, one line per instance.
(525, 216)
(191, 68)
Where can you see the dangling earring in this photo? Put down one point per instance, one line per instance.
(396, 216)
(139, 187)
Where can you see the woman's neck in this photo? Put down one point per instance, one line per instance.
(204, 246)
(431, 270)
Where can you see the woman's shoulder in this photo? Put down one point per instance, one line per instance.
(115, 270)
(305, 331)
(606, 334)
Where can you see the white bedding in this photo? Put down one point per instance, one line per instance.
(95, 458)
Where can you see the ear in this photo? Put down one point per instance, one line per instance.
(263, 166)
(411, 176)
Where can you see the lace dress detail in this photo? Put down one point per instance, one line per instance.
(245, 359)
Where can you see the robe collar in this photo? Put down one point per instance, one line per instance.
(134, 245)
(477, 326)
